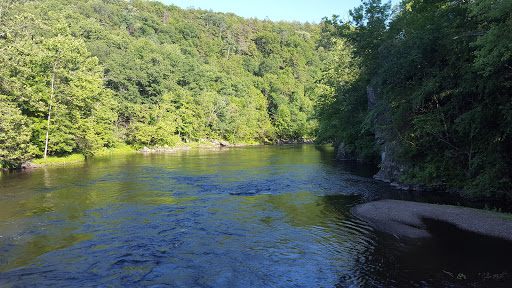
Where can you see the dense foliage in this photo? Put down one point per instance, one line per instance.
(444, 70)
(80, 76)
(83, 75)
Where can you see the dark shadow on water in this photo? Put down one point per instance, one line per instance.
(483, 261)
(450, 258)
(358, 168)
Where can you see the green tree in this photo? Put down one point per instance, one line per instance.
(65, 79)
(150, 74)
(340, 108)
(446, 79)
(15, 134)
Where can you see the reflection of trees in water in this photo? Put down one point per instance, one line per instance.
(343, 241)
(362, 169)
(290, 214)
(359, 260)
(376, 266)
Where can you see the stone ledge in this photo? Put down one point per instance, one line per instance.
(405, 218)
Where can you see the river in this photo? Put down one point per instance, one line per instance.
(265, 216)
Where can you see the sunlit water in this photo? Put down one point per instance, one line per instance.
(240, 217)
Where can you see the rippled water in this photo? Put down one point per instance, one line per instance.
(240, 217)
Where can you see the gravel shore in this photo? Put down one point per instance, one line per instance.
(405, 218)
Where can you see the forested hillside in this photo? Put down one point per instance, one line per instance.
(441, 72)
(85, 75)
(430, 78)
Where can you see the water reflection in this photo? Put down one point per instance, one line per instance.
(244, 217)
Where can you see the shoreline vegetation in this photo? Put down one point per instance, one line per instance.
(145, 74)
(423, 88)
(125, 148)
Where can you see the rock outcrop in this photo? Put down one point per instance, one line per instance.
(343, 153)
(406, 219)
(390, 167)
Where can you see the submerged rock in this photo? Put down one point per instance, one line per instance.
(28, 165)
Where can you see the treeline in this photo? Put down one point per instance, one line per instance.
(81, 76)
(442, 72)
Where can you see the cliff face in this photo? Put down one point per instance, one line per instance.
(343, 153)
(390, 168)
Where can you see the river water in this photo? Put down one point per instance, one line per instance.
(269, 216)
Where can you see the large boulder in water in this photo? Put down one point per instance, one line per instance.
(407, 219)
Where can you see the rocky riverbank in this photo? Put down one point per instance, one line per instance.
(405, 218)
(185, 146)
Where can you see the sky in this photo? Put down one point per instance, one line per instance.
(276, 10)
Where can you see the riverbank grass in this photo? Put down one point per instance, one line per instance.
(75, 158)
(118, 149)
(54, 160)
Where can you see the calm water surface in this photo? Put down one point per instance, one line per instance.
(240, 217)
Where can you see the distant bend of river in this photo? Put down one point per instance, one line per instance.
(268, 216)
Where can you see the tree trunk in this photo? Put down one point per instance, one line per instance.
(49, 116)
